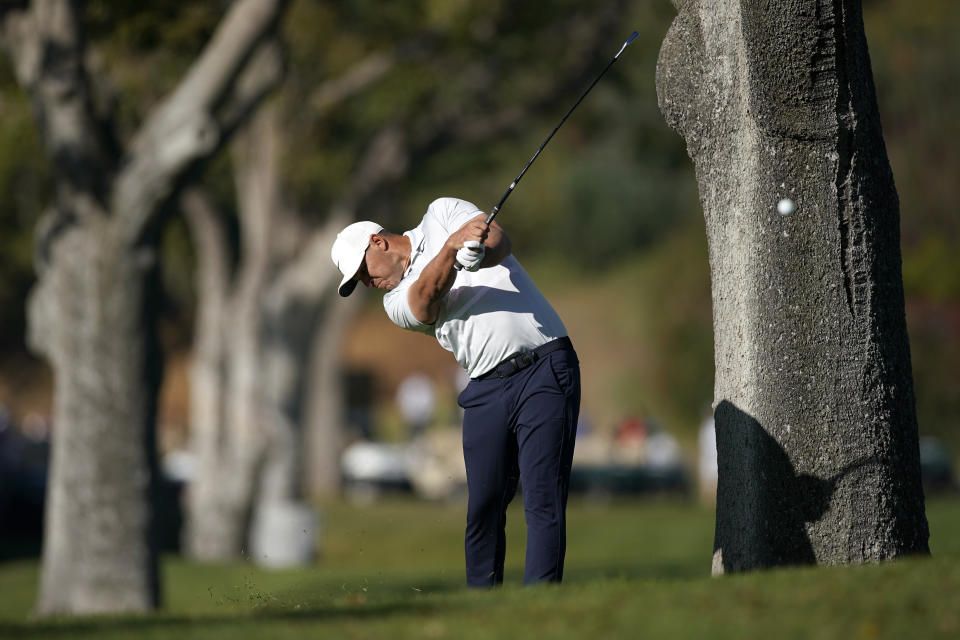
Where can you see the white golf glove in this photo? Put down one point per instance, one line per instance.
(470, 255)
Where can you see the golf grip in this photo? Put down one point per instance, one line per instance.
(506, 194)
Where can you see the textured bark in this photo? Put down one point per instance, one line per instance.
(90, 313)
(87, 317)
(813, 398)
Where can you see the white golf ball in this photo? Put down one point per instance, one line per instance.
(786, 206)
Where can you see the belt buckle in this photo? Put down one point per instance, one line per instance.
(517, 363)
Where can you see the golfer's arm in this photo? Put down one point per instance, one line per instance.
(497, 246)
(434, 282)
(426, 294)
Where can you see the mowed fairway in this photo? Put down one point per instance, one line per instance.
(634, 569)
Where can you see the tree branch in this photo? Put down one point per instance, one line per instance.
(188, 126)
(255, 158)
(309, 276)
(435, 128)
(45, 43)
(212, 77)
(356, 79)
(259, 78)
(306, 276)
(209, 235)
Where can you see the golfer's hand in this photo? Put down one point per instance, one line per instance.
(470, 255)
(474, 230)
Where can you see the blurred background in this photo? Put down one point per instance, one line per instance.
(386, 106)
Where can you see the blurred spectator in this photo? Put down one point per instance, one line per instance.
(36, 427)
(661, 450)
(460, 381)
(707, 465)
(416, 400)
(23, 469)
(7, 442)
(584, 424)
(630, 439)
(631, 429)
(936, 468)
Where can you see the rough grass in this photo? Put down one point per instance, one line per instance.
(635, 569)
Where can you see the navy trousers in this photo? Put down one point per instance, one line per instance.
(520, 428)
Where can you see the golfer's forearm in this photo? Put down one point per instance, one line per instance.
(497, 247)
(434, 282)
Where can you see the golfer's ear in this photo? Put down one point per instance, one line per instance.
(379, 240)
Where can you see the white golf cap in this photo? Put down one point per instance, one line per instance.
(348, 250)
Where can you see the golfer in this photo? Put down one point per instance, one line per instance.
(521, 404)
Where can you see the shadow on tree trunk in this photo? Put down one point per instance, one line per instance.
(763, 524)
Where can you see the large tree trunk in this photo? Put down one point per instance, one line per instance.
(814, 404)
(87, 317)
(90, 313)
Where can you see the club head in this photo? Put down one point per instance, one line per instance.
(633, 36)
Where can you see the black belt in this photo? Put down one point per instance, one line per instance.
(521, 361)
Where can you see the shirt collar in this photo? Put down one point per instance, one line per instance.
(416, 248)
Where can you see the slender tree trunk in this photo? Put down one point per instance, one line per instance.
(258, 445)
(254, 392)
(249, 361)
(217, 506)
(326, 407)
(228, 428)
(814, 404)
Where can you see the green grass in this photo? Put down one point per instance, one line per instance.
(634, 569)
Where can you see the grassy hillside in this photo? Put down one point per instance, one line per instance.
(637, 569)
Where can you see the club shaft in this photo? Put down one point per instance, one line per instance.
(496, 209)
(516, 181)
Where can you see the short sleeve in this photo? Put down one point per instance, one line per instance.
(452, 213)
(397, 306)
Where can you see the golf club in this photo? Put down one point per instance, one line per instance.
(496, 209)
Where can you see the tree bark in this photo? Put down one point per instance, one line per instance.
(814, 404)
(326, 410)
(91, 313)
(253, 352)
(228, 356)
(87, 316)
(250, 357)
(216, 498)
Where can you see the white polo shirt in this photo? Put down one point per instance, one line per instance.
(487, 315)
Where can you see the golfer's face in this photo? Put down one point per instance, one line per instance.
(376, 270)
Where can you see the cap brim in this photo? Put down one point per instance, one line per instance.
(347, 286)
(349, 282)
